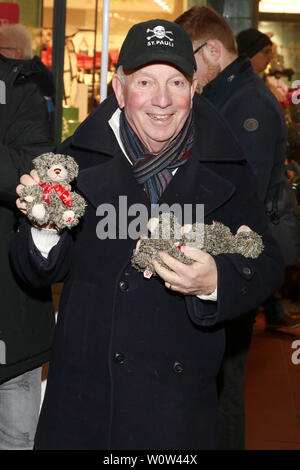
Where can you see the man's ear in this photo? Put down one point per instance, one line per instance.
(213, 48)
(118, 87)
(193, 88)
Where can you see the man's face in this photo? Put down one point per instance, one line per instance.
(260, 60)
(157, 100)
(9, 51)
(207, 67)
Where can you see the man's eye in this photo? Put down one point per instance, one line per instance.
(178, 83)
(143, 83)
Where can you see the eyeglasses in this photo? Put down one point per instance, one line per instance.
(200, 47)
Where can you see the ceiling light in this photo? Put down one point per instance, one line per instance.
(279, 6)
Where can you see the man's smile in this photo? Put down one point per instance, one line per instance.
(160, 117)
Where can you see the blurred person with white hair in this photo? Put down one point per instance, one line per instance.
(16, 43)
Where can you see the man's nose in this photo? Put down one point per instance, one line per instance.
(162, 97)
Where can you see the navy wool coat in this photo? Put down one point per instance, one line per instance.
(255, 117)
(134, 364)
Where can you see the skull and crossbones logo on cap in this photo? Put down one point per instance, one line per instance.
(159, 32)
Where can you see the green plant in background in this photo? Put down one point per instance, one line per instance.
(70, 121)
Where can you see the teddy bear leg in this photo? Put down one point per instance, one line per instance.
(39, 213)
(68, 216)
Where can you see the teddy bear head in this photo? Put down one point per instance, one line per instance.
(55, 168)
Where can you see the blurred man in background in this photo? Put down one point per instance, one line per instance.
(27, 316)
(255, 117)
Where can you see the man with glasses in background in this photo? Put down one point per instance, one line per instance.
(255, 117)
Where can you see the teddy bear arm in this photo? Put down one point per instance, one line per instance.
(78, 204)
(249, 244)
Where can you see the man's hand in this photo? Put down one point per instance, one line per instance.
(26, 180)
(199, 278)
(30, 180)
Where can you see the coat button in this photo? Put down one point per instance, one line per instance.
(247, 271)
(243, 291)
(119, 358)
(178, 367)
(123, 286)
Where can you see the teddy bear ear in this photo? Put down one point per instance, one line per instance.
(39, 159)
(72, 165)
(186, 228)
(152, 224)
(244, 228)
(36, 160)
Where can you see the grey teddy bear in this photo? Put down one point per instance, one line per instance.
(167, 235)
(49, 202)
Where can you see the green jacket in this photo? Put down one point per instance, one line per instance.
(26, 315)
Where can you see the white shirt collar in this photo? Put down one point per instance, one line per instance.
(114, 123)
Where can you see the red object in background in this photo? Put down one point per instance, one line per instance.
(114, 55)
(46, 57)
(98, 60)
(9, 13)
(84, 62)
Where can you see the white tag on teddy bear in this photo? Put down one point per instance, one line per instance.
(148, 274)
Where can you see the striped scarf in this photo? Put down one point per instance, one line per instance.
(155, 171)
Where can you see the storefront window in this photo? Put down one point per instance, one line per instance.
(83, 43)
(286, 37)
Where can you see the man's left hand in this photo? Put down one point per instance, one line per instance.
(199, 278)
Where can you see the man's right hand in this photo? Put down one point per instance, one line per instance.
(30, 180)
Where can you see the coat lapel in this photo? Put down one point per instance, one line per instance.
(195, 183)
(106, 182)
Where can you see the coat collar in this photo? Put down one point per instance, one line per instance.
(214, 140)
(222, 87)
(194, 182)
(95, 133)
(24, 67)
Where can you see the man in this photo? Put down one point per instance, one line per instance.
(135, 360)
(257, 46)
(27, 317)
(229, 82)
(16, 43)
(255, 117)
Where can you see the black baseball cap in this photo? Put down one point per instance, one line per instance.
(157, 41)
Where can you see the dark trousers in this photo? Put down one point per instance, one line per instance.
(230, 381)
